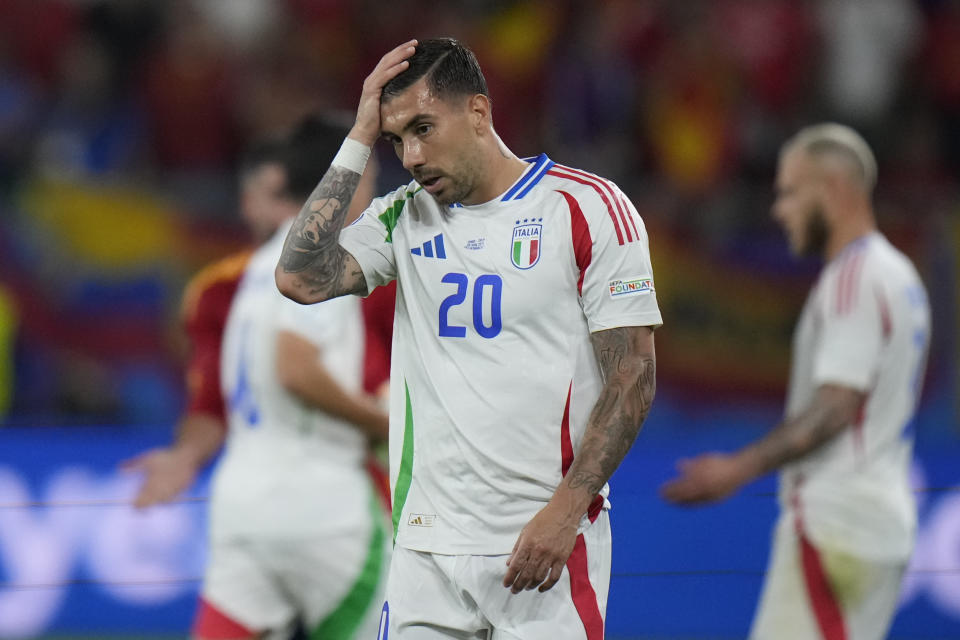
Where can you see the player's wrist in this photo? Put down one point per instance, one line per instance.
(188, 455)
(750, 464)
(570, 505)
(363, 136)
(353, 155)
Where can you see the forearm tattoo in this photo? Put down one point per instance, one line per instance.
(628, 369)
(312, 248)
(827, 416)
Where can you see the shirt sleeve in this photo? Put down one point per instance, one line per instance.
(370, 238)
(204, 329)
(308, 321)
(848, 351)
(617, 287)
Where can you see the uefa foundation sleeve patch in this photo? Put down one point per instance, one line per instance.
(637, 286)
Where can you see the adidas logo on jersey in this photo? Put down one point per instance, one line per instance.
(421, 520)
(431, 248)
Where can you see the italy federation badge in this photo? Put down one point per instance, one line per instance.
(527, 236)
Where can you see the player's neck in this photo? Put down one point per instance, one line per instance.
(843, 235)
(504, 169)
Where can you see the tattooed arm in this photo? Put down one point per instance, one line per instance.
(715, 476)
(628, 366)
(313, 266)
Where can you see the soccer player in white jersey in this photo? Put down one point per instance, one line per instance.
(523, 362)
(847, 521)
(297, 532)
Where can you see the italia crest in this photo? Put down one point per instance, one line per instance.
(526, 248)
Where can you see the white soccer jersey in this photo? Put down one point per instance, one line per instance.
(865, 325)
(493, 374)
(288, 469)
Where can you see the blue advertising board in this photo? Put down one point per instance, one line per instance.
(76, 559)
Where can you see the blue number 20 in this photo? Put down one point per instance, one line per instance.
(459, 279)
(491, 281)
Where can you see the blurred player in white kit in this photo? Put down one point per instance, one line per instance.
(298, 534)
(848, 518)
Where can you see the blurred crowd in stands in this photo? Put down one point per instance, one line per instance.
(121, 124)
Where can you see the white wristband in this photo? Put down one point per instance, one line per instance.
(352, 155)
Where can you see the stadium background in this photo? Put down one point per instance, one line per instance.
(120, 125)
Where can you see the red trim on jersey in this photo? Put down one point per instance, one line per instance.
(566, 457)
(206, 304)
(847, 288)
(603, 196)
(213, 624)
(381, 481)
(622, 208)
(885, 322)
(593, 511)
(826, 608)
(580, 233)
(378, 309)
(858, 432)
(582, 593)
(566, 444)
(796, 505)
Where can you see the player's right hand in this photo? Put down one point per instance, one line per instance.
(707, 478)
(168, 472)
(366, 129)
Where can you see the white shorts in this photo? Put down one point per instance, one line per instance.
(817, 593)
(432, 596)
(333, 585)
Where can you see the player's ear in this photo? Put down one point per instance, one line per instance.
(480, 109)
(835, 189)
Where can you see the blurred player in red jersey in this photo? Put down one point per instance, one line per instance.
(273, 186)
(206, 301)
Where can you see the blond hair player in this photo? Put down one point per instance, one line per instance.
(847, 520)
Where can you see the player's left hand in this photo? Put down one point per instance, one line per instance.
(707, 478)
(541, 551)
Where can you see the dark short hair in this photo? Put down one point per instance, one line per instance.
(311, 147)
(303, 155)
(450, 68)
(260, 153)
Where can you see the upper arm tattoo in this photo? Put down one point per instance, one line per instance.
(627, 364)
(312, 249)
(832, 410)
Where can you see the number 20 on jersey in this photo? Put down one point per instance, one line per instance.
(487, 292)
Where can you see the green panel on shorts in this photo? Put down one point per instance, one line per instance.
(343, 622)
(405, 475)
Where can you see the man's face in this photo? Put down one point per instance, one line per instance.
(262, 199)
(435, 140)
(799, 206)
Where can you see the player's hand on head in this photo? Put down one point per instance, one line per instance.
(706, 478)
(541, 552)
(366, 129)
(167, 473)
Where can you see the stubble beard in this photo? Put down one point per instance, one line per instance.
(460, 187)
(817, 234)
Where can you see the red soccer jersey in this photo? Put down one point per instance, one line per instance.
(378, 320)
(206, 302)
